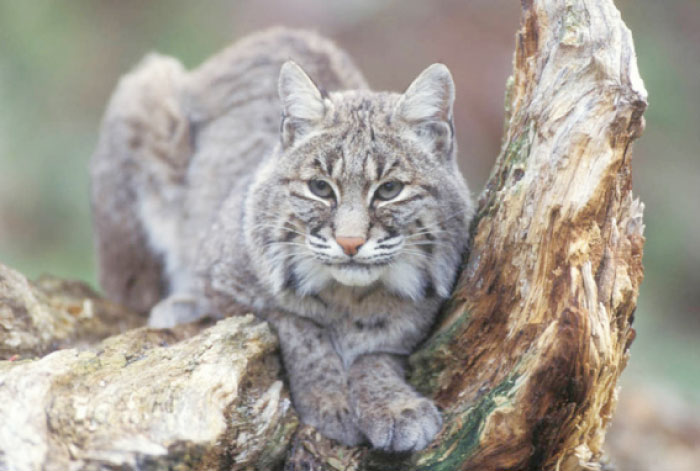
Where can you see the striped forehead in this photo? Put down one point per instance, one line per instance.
(353, 160)
(360, 142)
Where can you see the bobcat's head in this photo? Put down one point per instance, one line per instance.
(363, 189)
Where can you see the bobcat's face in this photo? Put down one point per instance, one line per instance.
(371, 203)
(367, 196)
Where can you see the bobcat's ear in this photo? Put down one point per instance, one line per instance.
(427, 105)
(303, 104)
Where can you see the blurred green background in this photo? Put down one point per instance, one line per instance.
(59, 61)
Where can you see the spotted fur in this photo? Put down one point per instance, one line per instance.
(249, 228)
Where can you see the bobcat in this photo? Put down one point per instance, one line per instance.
(336, 213)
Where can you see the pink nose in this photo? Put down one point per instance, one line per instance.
(350, 245)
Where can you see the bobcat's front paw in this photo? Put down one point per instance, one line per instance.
(330, 414)
(407, 423)
(174, 310)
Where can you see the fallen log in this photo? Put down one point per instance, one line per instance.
(39, 317)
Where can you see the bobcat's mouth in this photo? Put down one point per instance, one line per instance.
(362, 264)
(353, 273)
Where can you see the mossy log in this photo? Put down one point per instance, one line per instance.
(523, 363)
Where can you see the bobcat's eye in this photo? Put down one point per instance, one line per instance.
(321, 188)
(389, 190)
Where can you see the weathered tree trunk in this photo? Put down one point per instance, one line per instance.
(524, 362)
(528, 357)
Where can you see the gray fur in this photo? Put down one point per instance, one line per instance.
(211, 172)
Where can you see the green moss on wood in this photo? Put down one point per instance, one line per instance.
(508, 102)
(428, 363)
(458, 441)
(275, 449)
(464, 430)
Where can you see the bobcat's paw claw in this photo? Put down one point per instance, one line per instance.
(408, 424)
(331, 415)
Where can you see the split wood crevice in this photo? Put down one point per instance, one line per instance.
(524, 361)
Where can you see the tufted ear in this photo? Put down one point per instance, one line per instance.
(303, 104)
(430, 96)
(427, 105)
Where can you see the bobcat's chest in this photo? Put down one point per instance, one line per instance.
(373, 319)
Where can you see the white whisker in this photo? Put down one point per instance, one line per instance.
(413, 252)
(422, 235)
(286, 228)
(284, 243)
(431, 242)
(284, 256)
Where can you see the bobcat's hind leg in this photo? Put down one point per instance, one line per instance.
(140, 161)
(129, 272)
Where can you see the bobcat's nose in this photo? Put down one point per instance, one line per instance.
(350, 245)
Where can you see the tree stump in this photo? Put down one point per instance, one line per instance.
(525, 361)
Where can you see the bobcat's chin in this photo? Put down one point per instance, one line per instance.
(356, 274)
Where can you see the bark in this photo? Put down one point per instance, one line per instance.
(39, 317)
(524, 361)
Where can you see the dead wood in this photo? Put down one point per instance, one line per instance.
(526, 359)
